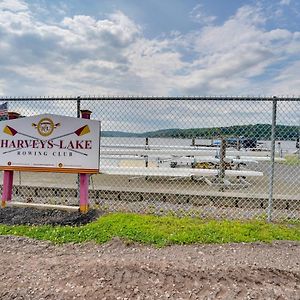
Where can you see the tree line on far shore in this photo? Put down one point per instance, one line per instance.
(257, 131)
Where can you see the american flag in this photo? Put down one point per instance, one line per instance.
(4, 111)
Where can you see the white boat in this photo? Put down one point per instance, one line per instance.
(179, 153)
(173, 172)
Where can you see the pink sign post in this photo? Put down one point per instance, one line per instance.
(84, 178)
(8, 175)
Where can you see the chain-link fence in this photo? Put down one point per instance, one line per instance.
(205, 157)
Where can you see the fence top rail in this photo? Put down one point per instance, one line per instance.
(212, 98)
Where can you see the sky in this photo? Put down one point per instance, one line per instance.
(153, 47)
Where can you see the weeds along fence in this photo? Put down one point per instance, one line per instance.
(209, 157)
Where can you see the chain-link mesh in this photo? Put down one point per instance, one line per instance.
(208, 158)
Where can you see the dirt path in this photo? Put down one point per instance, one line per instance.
(39, 270)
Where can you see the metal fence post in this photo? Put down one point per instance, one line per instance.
(78, 176)
(147, 148)
(78, 107)
(271, 184)
(222, 159)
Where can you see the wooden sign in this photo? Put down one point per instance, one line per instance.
(50, 143)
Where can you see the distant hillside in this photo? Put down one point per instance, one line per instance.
(118, 134)
(258, 131)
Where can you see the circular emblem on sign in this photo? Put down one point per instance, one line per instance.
(45, 126)
(9, 163)
(60, 165)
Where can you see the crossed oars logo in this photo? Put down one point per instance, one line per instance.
(79, 132)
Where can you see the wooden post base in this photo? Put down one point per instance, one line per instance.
(84, 209)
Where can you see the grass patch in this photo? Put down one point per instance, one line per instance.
(292, 160)
(159, 231)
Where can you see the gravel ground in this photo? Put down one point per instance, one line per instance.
(33, 269)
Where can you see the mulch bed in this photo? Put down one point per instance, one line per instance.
(34, 216)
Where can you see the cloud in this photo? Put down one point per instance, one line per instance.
(81, 54)
(232, 55)
(285, 2)
(2, 85)
(13, 5)
(199, 15)
(59, 57)
(118, 30)
(287, 81)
